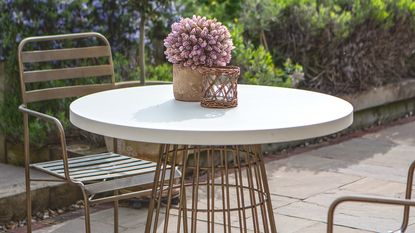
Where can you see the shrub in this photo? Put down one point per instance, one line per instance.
(257, 66)
(344, 46)
(224, 10)
(162, 72)
(117, 20)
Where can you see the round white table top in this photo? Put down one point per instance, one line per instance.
(263, 115)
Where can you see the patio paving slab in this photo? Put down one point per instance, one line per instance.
(305, 184)
(321, 228)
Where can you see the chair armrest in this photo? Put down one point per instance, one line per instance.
(59, 125)
(40, 115)
(364, 199)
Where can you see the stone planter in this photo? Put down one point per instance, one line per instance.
(140, 150)
(187, 83)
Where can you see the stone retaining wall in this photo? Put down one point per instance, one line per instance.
(377, 106)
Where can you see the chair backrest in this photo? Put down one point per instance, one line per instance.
(78, 56)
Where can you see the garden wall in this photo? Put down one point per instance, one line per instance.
(372, 107)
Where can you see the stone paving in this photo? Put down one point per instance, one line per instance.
(304, 185)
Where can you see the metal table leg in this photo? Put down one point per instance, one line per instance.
(228, 191)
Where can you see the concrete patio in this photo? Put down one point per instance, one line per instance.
(304, 185)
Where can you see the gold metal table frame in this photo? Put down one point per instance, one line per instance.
(228, 191)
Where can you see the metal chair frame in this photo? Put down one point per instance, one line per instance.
(89, 187)
(407, 203)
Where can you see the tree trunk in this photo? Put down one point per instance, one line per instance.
(263, 40)
(141, 57)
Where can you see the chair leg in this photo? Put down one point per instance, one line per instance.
(87, 212)
(116, 213)
(28, 204)
(27, 173)
(408, 195)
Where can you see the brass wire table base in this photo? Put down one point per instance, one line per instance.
(228, 191)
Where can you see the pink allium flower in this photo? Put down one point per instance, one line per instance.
(198, 41)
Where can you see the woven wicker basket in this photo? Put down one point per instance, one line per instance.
(219, 87)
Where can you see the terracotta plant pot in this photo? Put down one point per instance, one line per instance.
(187, 83)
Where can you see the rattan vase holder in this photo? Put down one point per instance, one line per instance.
(219, 86)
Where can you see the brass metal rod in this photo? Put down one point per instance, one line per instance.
(210, 162)
(213, 192)
(238, 197)
(160, 190)
(266, 189)
(408, 195)
(261, 197)
(238, 157)
(251, 193)
(86, 211)
(169, 192)
(258, 204)
(27, 172)
(154, 191)
(48, 180)
(228, 200)
(223, 191)
(196, 192)
(183, 189)
(116, 213)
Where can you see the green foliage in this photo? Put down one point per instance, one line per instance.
(344, 45)
(123, 68)
(162, 72)
(344, 14)
(257, 66)
(114, 18)
(222, 10)
(258, 15)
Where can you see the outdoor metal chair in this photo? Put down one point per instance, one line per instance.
(406, 203)
(103, 174)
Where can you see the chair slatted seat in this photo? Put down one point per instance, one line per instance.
(98, 167)
(104, 168)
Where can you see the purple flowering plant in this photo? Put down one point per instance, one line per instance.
(198, 41)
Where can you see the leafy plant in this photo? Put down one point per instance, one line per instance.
(344, 46)
(116, 19)
(223, 10)
(162, 72)
(257, 65)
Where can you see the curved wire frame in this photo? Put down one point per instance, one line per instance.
(227, 192)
